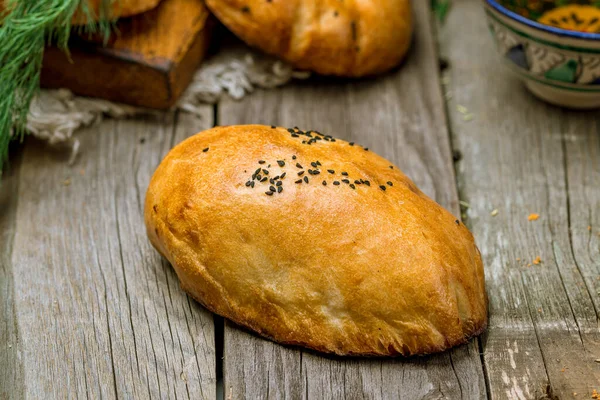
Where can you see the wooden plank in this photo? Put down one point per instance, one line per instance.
(11, 368)
(100, 314)
(400, 116)
(543, 335)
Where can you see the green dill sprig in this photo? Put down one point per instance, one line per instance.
(25, 28)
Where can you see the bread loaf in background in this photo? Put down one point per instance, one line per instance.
(313, 241)
(111, 9)
(330, 37)
(116, 9)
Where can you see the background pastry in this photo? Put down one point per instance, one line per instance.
(330, 37)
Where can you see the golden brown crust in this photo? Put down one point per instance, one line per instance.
(117, 9)
(351, 271)
(330, 37)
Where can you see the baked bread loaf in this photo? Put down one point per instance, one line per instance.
(314, 241)
(116, 9)
(330, 37)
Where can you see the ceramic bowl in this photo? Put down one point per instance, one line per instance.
(554, 46)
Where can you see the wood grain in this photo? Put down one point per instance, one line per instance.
(400, 116)
(11, 368)
(99, 312)
(149, 61)
(521, 156)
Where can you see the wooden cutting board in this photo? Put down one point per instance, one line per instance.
(148, 62)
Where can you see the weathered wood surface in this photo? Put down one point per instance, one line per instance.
(89, 309)
(400, 116)
(11, 369)
(521, 156)
(98, 313)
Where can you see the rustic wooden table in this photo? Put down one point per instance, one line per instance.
(89, 309)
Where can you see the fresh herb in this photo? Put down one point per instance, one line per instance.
(24, 32)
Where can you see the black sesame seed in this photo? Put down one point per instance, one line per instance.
(258, 177)
(294, 157)
(283, 175)
(391, 167)
(272, 181)
(279, 189)
(252, 184)
(205, 150)
(279, 183)
(300, 173)
(351, 143)
(248, 183)
(345, 181)
(336, 183)
(316, 172)
(261, 161)
(276, 177)
(257, 171)
(357, 182)
(246, 9)
(331, 171)
(352, 186)
(298, 181)
(314, 164)
(272, 188)
(294, 135)
(390, 183)
(345, 173)
(269, 193)
(324, 183)
(366, 149)
(290, 130)
(304, 142)
(265, 172)
(310, 171)
(457, 222)
(332, 139)
(318, 163)
(281, 163)
(273, 126)
(299, 166)
(264, 179)
(306, 179)
(269, 166)
(382, 187)
(367, 183)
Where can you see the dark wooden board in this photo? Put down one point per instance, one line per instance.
(148, 62)
(400, 116)
(521, 156)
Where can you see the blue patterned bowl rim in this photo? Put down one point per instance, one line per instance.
(536, 25)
